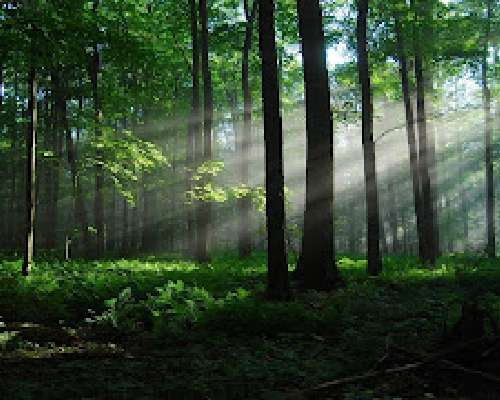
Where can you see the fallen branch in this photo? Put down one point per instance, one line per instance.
(455, 366)
(428, 359)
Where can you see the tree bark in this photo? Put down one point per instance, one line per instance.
(488, 128)
(412, 143)
(277, 276)
(192, 150)
(80, 211)
(99, 178)
(13, 211)
(372, 206)
(244, 238)
(318, 251)
(30, 172)
(204, 231)
(393, 214)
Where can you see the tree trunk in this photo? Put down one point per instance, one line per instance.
(277, 276)
(205, 211)
(99, 178)
(488, 128)
(430, 251)
(318, 251)
(372, 207)
(3, 177)
(125, 231)
(244, 204)
(30, 172)
(393, 214)
(11, 219)
(80, 211)
(192, 153)
(412, 144)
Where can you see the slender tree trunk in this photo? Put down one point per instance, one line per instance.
(125, 231)
(318, 251)
(277, 277)
(393, 214)
(80, 211)
(53, 173)
(244, 238)
(99, 178)
(412, 143)
(111, 236)
(194, 143)
(3, 177)
(30, 172)
(488, 128)
(11, 219)
(372, 206)
(204, 231)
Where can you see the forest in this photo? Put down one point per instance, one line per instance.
(249, 199)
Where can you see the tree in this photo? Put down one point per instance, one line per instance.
(410, 132)
(99, 179)
(244, 239)
(194, 122)
(30, 171)
(488, 127)
(372, 206)
(318, 251)
(204, 220)
(428, 215)
(277, 280)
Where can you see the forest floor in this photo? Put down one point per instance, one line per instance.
(169, 329)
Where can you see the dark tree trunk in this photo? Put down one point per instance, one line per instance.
(372, 207)
(318, 250)
(488, 128)
(58, 132)
(11, 219)
(194, 131)
(3, 176)
(99, 178)
(430, 251)
(244, 238)
(149, 232)
(125, 229)
(80, 211)
(412, 143)
(134, 223)
(205, 211)
(393, 214)
(277, 277)
(111, 232)
(30, 172)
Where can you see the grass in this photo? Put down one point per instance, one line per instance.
(154, 328)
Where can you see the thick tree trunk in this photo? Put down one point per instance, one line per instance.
(244, 204)
(318, 250)
(205, 210)
(372, 206)
(277, 276)
(30, 172)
